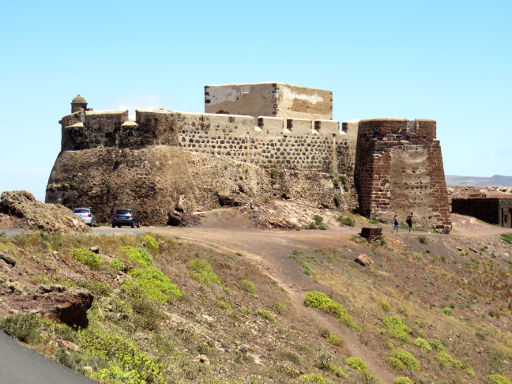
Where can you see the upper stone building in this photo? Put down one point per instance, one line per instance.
(396, 164)
(269, 99)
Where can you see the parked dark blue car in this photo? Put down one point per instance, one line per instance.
(125, 217)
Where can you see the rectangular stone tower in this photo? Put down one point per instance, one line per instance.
(269, 99)
(399, 169)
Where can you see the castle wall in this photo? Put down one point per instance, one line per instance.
(98, 128)
(399, 170)
(269, 99)
(269, 142)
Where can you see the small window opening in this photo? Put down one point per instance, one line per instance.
(289, 124)
(260, 122)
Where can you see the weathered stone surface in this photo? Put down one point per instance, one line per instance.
(37, 215)
(68, 305)
(399, 169)
(363, 260)
(155, 179)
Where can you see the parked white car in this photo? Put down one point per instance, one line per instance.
(86, 215)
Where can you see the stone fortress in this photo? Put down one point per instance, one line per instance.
(265, 139)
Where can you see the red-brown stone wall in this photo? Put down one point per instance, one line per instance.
(399, 169)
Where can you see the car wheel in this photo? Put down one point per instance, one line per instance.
(113, 226)
(133, 225)
(138, 225)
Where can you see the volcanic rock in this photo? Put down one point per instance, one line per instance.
(37, 215)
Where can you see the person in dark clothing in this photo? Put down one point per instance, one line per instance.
(409, 221)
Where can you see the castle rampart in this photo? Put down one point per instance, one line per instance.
(270, 142)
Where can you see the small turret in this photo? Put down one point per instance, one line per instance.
(78, 104)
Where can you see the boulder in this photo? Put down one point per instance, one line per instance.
(37, 215)
(180, 219)
(363, 260)
(68, 305)
(7, 258)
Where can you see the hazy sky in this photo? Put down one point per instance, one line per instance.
(446, 60)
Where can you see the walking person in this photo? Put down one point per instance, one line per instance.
(409, 222)
(395, 224)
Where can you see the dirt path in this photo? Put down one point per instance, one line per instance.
(270, 251)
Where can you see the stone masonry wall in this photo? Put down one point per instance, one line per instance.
(269, 142)
(269, 99)
(399, 170)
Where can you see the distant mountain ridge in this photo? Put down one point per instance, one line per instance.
(496, 180)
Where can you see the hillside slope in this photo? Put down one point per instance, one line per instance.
(227, 305)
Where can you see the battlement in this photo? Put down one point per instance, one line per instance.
(89, 129)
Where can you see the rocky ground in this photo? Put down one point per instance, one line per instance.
(20, 209)
(223, 302)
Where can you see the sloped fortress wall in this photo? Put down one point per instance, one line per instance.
(399, 169)
(269, 99)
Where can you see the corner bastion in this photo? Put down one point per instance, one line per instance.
(399, 170)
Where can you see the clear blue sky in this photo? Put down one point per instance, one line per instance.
(446, 60)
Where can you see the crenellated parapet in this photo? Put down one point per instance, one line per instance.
(271, 142)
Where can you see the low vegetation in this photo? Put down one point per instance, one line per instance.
(164, 311)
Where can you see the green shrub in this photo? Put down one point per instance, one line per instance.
(86, 257)
(402, 380)
(279, 308)
(386, 307)
(323, 302)
(337, 201)
(118, 264)
(507, 238)
(423, 240)
(446, 360)
(9, 249)
(312, 225)
(347, 220)
(248, 286)
(324, 362)
(446, 310)
(203, 272)
(397, 328)
(318, 219)
(266, 314)
(139, 255)
(97, 287)
(153, 283)
(402, 360)
(436, 344)
(151, 242)
(313, 378)
(357, 363)
(373, 221)
(125, 361)
(322, 227)
(497, 379)
(332, 338)
(423, 344)
(23, 327)
(224, 305)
